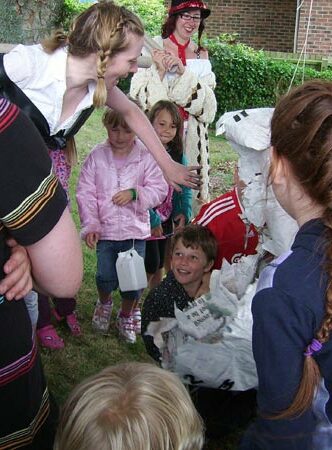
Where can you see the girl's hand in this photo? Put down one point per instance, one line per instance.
(91, 239)
(179, 221)
(205, 285)
(18, 281)
(177, 174)
(122, 198)
(157, 231)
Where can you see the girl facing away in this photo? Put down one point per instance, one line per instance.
(64, 77)
(175, 212)
(118, 183)
(292, 308)
(130, 406)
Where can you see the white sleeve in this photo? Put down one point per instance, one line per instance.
(18, 64)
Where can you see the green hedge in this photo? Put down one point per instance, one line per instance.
(247, 78)
(151, 12)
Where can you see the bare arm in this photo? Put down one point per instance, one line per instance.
(174, 173)
(56, 259)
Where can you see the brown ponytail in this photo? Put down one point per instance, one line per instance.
(301, 131)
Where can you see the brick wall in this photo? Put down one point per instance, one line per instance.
(266, 24)
(262, 24)
(320, 31)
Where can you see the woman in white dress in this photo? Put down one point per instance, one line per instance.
(181, 72)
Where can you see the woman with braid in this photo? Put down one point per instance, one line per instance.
(66, 76)
(292, 308)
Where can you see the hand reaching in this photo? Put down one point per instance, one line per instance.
(177, 174)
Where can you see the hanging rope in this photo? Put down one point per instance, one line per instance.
(304, 47)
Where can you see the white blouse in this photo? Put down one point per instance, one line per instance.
(42, 77)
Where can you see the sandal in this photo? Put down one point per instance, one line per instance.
(49, 338)
(73, 324)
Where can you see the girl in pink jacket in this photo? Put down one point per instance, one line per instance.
(118, 183)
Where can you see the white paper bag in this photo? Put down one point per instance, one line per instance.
(131, 271)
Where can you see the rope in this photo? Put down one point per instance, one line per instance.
(304, 47)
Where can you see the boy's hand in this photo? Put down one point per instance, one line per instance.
(122, 198)
(205, 285)
(179, 221)
(91, 239)
(157, 231)
(18, 281)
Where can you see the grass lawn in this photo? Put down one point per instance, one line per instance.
(89, 353)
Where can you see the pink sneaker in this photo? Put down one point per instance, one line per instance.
(73, 324)
(137, 320)
(102, 317)
(49, 338)
(126, 329)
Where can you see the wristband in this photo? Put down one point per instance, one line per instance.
(133, 194)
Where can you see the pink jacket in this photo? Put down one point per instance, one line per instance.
(99, 180)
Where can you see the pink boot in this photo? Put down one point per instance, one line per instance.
(71, 320)
(49, 338)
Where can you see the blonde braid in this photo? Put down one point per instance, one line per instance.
(105, 52)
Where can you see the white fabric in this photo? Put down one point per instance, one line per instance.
(209, 342)
(42, 77)
(193, 90)
(249, 133)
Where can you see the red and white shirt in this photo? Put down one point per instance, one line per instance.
(224, 217)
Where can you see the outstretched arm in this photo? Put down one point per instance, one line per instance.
(175, 173)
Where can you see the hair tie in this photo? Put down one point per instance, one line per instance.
(315, 346)
(100, 77)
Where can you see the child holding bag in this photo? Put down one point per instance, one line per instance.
(118, 183)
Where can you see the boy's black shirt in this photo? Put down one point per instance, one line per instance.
(160, 303)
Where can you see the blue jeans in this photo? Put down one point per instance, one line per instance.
(107, 254)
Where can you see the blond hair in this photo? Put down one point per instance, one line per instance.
(103, 29)
(130, 406)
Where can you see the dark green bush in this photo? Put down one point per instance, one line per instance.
(247, 78)
(151, 12)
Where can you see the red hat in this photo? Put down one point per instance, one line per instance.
(178, 6)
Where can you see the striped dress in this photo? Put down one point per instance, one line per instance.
(31, 203)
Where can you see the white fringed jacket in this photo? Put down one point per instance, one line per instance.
(194, 92)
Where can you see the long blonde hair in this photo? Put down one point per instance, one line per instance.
(130, 406)
(102, 28)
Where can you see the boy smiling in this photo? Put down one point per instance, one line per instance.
(193, 253)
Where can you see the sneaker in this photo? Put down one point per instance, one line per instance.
(102, 317)
(137, 320)
(126, 329)
(73, 324)
(49, 338)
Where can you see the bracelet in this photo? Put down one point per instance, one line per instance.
(133, 194)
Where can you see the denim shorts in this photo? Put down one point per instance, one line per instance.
(107, 254)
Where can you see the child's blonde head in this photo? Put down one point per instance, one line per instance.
(113, 119)
(130, 406)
